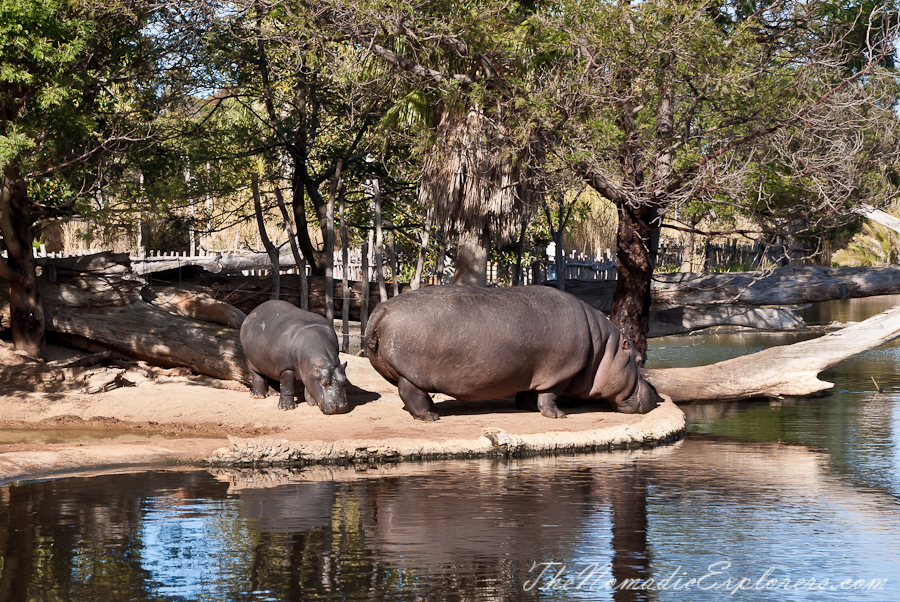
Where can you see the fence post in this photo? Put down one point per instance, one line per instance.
(364, 299)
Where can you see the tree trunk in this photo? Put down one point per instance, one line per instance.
(364, 296)
(329, 243)
(636, 258)
(439, 265)
(271, 251)
(295, 250)
(518, 279)
(379, 244)
(392, 259)
(471, 259)
(560, 263)
(423, 248)
(777, 371)
(315, 257)
(26, 311)
(345, 276)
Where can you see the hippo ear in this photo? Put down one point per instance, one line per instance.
(626, 344)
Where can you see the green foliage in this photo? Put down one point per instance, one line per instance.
(68, 95)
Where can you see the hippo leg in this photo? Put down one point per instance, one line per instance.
(309, 398)
(286, 401)
(259, 387)
(545, 403)
(417, 402)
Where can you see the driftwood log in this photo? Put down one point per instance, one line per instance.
(777, 371)
(879, 217)
(193, 302)
(684, 319)
(149, 333)
(96, 300)
(143, 331)
(247, 292)
(792, 285)
(222, 263)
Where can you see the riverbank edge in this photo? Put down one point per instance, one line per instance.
(664, 425)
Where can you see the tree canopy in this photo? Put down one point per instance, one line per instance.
(782, 115)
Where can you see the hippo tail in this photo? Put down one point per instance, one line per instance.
(372, 341)
(371, 334)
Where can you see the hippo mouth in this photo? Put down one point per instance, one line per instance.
(334, 401)
(642, 400)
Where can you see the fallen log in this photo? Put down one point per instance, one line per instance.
(105, 311)
(791, 285)
(777, 371)
(247, 292)
(878, 216)
(193, 302)
(684, 319)
(149, 333)
(222, 263)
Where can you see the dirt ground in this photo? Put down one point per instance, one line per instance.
(177, 417)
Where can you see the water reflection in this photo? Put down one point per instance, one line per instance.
(476, 530)
(849, 310)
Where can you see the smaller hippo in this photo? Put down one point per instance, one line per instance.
(297, 348)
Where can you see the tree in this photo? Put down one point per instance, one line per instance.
(67, 100)
(461, 70)
(779, 111)
(303, 114)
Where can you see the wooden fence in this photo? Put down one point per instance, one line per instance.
(578, 266)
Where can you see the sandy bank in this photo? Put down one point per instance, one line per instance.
(224, 426)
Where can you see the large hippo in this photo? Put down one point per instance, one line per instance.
(475, 343)
(298, 348)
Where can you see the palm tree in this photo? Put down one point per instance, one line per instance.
(479, 186)
(874, 246)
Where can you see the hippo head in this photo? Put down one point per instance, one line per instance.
(619, 381)
(642, 400)
(327, 388)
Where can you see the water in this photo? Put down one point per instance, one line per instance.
(793, 499)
